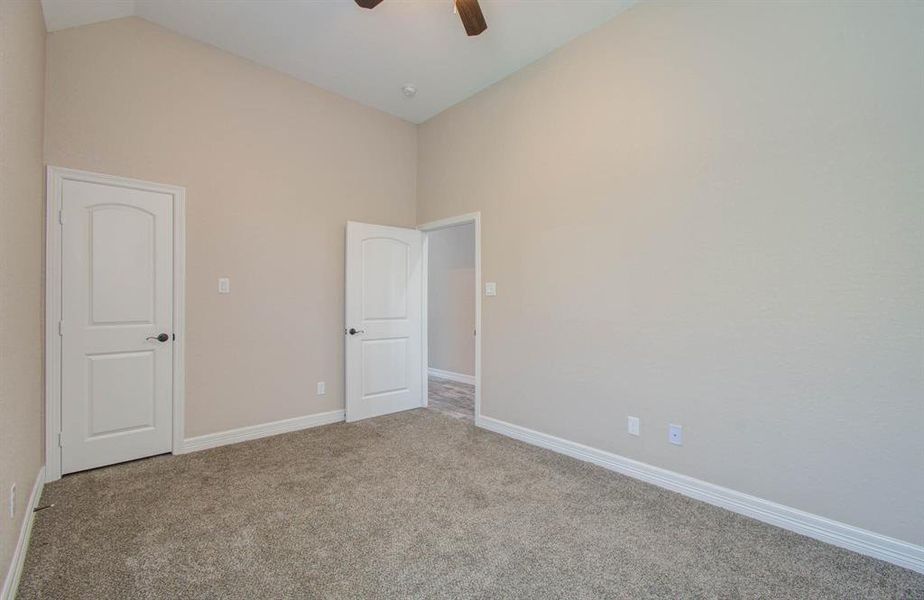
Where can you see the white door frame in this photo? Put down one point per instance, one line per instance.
(426, 228)
(53, 273)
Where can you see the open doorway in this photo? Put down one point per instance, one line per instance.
(453, 310)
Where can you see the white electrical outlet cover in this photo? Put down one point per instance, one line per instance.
(675, 435)
(490, 288)
(322, 388)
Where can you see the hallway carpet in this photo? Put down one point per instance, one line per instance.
(413, 505)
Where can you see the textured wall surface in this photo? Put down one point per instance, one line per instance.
(273, 168)
(710, 214)
(451, 299)
(22, 210)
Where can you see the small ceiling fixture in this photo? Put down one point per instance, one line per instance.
(409, 90)
(469, 12)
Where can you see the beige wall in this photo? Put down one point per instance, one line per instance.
(22, 67)
(711, 214)
(451, 299)
(273, 169)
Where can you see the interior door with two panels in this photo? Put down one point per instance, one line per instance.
(383, 320)
(117, 324)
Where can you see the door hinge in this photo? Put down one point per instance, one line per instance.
(61, 217)
(60, 327)
(60, 440)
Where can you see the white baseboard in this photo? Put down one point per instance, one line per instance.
(903, 554)
(11, 582)
(451, 376)
(244, 434)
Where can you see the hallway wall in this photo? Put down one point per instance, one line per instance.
(451, 299)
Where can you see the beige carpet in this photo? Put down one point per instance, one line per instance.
(413, 505)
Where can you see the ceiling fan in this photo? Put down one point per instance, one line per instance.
(469, 12)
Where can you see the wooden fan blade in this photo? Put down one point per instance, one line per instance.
(471, 16)
(368, 3)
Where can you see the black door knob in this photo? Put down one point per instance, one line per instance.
(160, 338)
(353, 331)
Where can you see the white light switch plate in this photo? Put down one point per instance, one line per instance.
(224, 285)
(322, 388)
(633, 425)
(490, 288)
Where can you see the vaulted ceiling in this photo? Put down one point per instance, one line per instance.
(367, 55)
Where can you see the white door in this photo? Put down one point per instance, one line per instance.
(383, 309)
(117, 298)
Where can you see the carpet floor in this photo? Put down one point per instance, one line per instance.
(413, 505)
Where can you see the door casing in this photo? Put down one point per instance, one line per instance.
(53, 273)
(475, 218)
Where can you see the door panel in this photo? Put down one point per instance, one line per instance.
(117, 290)
(384, 366)
(383, 303)
(120, 397)
(122, 265)
(385, 272)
